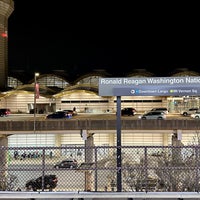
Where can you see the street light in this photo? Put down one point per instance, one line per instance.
(35, 96)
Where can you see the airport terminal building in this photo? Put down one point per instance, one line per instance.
(57, 92)
(84, 96)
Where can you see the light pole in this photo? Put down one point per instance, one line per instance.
(35, 91)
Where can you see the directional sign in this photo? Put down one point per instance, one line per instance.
(150, 86)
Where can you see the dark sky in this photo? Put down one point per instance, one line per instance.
(79, 37)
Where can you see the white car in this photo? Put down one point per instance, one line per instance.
(160, 115)
(196, 115)
(189, 111)
(165, 110)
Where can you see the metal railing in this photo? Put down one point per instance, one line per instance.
(143, 169)
(99, 195)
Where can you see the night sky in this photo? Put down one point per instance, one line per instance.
(80, 37)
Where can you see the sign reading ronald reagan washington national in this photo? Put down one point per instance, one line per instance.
(150, 86)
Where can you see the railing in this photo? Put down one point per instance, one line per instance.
(99, 195)
(143, 169)
(10, 127)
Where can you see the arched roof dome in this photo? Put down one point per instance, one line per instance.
(91, 77)
(184, 72)
(140, 73)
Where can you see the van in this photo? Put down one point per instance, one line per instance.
(165, 110)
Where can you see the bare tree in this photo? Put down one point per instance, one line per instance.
(8, 182)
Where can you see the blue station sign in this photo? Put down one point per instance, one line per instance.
(150, 86)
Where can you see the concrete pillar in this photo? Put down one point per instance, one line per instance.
(89, 158)
(57, 144)
(57, 140)
(3, 141)
(111, 143)
(176, 152)
(112, 139)
(165, 139)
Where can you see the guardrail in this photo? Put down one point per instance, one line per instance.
(100, 195)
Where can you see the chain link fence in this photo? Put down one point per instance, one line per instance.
(143, 168)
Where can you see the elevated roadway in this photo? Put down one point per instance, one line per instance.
(25, 123)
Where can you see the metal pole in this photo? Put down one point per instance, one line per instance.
(34, 101)
(119, 159)
(35, 82)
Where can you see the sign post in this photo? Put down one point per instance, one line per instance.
(119, 154)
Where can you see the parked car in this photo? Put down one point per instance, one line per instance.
(128, 111)
(58, 115)
(165, 110)
(153, 115)
(67, 163)
(71, 112)
(50, 182)
(4, 112)
(190, 111)
(196, 115)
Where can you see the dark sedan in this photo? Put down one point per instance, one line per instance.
(50, 182)
(128, 111)
(68, 163)
(58, 115)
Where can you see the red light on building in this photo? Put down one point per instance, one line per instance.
(4, 35)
